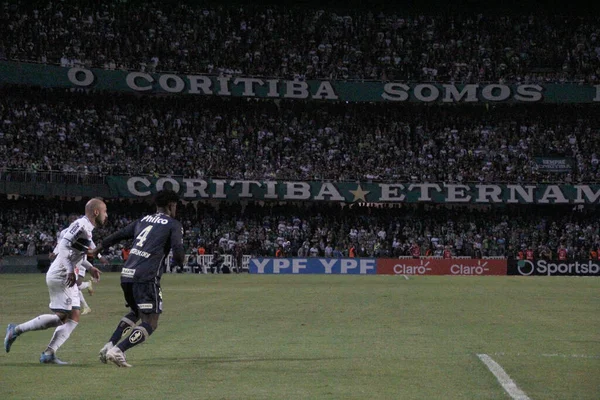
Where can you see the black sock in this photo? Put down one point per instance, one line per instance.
(138, 335)
(125, 325)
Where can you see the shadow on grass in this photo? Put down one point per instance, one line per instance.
(34, 364)
(161, 361)
(222, 360)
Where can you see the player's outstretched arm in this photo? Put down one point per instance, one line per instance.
(94, 254)
(123, 234)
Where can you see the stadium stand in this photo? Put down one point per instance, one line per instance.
(80, 137)
(106, 134)
(296, 42)
(29, 226)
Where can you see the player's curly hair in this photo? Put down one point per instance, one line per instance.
(164, 197)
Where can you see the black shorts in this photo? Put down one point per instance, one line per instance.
(143, 296)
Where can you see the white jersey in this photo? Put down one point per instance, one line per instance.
(72, 248)
(84, 264)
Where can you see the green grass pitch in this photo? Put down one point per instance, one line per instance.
(320, 337)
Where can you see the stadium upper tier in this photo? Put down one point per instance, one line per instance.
(198, 137)
(301, 42)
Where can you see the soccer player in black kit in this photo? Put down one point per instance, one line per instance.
(153, 237)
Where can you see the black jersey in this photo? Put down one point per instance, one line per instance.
(154, 236)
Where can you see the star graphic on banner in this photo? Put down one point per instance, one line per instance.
(359, 194)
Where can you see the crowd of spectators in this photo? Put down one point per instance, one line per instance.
(302, 42)
(99, 134)
(29, 225)
(197, 137)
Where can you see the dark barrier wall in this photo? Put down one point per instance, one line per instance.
(40, 264)
(19, 265)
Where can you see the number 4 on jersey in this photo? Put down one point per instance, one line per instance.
(141, 238)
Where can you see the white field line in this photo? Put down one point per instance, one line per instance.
(507, 383)
(590, 356)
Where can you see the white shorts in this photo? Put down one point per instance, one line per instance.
(62, 297)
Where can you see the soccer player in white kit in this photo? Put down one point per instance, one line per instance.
(80, 272)
(61, 279)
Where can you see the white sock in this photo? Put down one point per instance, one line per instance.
(84, 285)
(84, 303)
(40, 322)
(61, 334)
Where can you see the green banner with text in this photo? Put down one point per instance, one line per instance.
(346, 192)
(240, 86)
